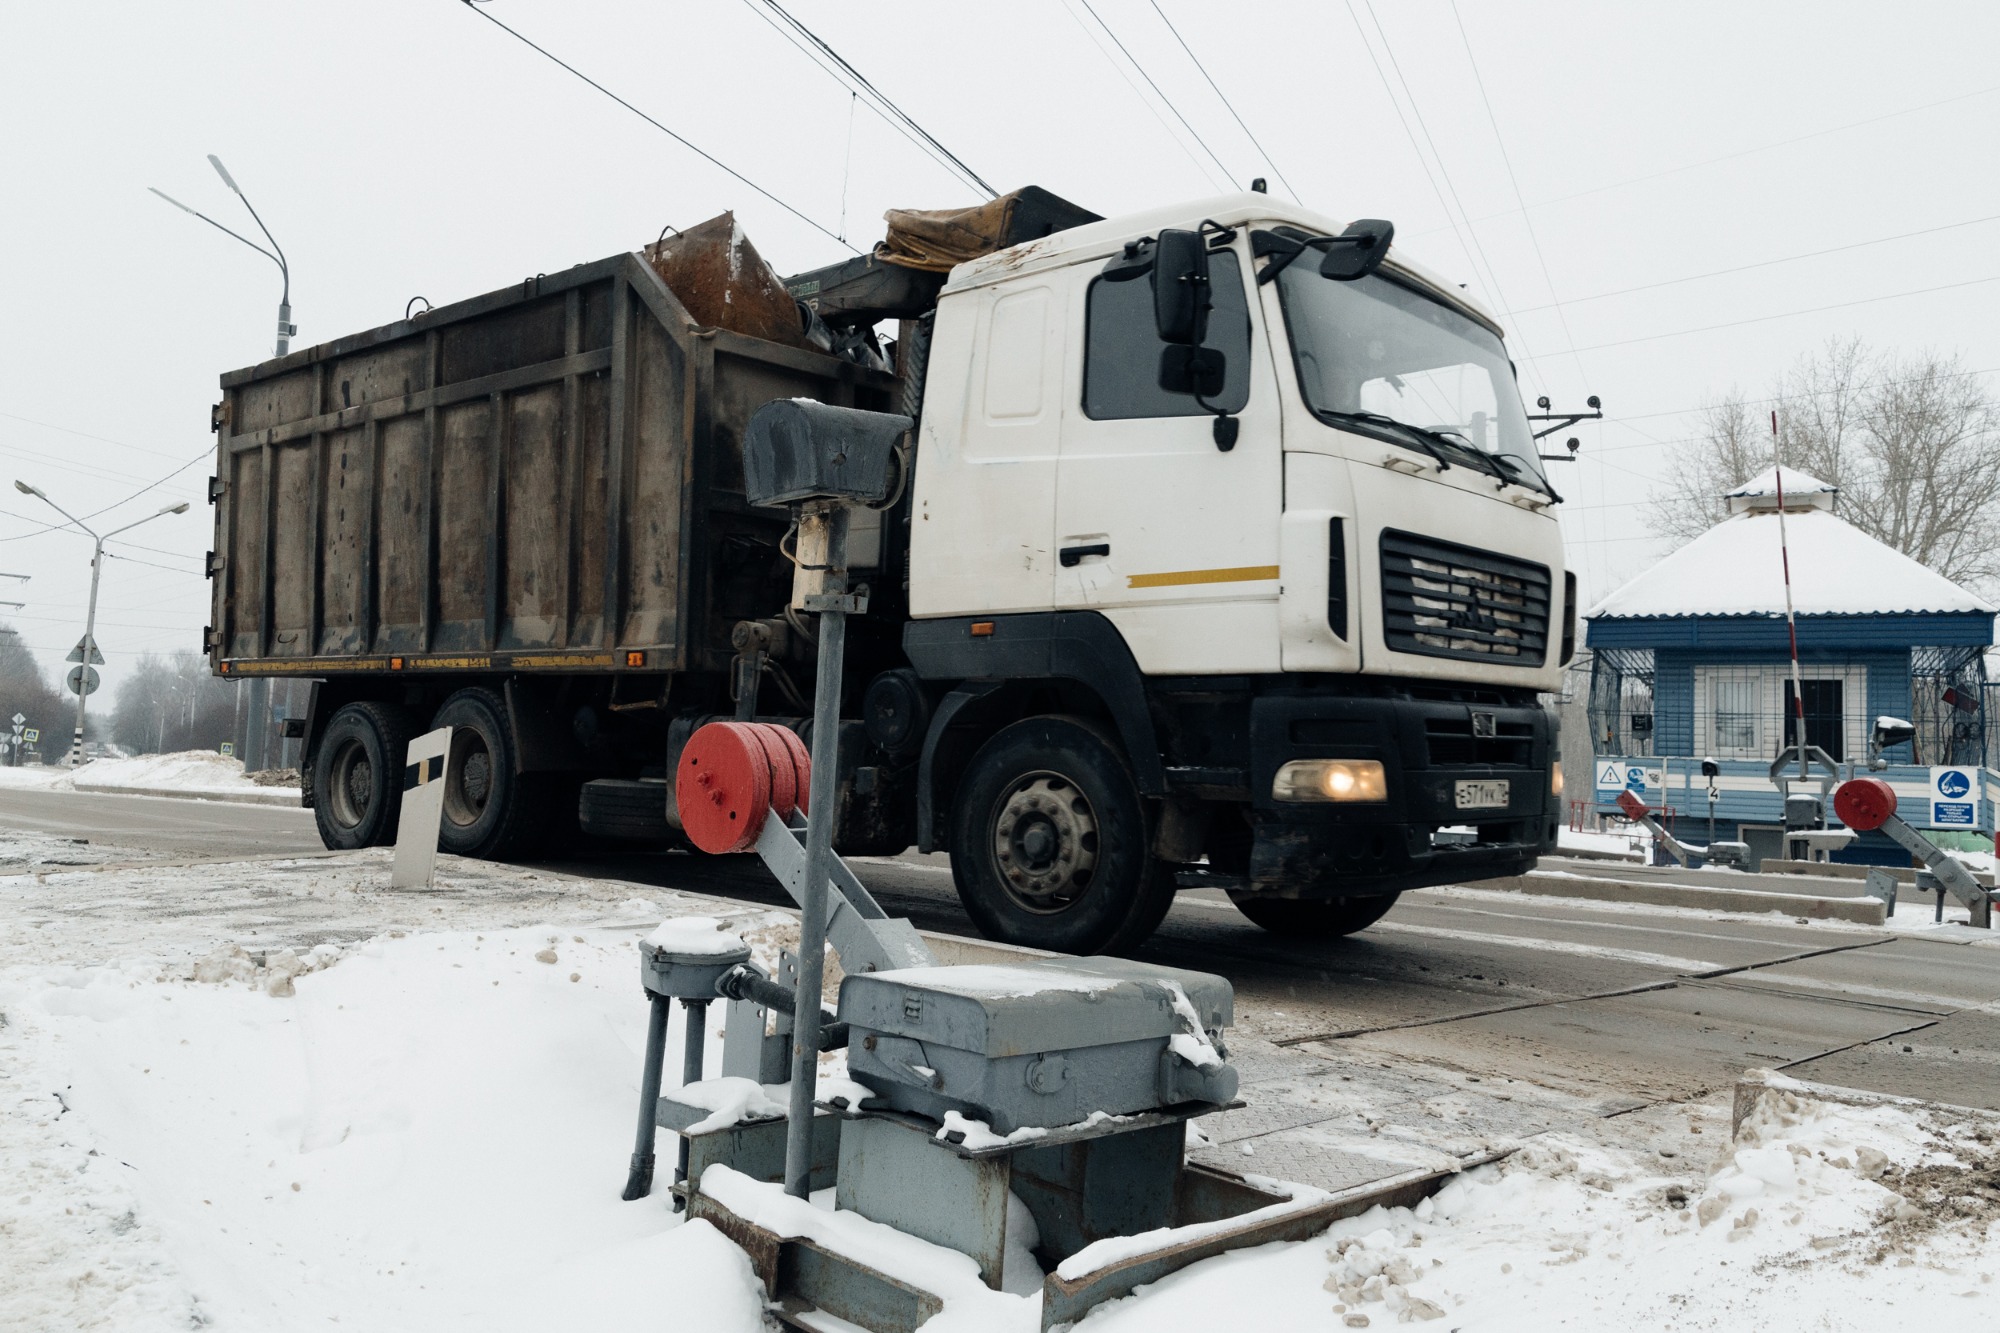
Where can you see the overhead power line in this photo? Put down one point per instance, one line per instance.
(1783, 314)
(1766, 263)
(1158, 92)
(830, 60)
(702, 153)
(1276, 170)
(1145, 101)
(1758, 148)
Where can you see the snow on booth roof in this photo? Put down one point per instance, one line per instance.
(1802, 491)
(1734, 569)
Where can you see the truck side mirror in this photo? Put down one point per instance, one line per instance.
(1358, 251)
(1180, 287)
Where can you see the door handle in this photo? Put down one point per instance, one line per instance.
(1072, 556)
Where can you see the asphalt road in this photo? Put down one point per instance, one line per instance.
(1615, 1005)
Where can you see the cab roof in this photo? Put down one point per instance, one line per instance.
(1247, 209)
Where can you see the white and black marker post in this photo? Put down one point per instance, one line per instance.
(423, 809)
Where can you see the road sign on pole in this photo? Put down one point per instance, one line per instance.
(86, 646)
(82, 680)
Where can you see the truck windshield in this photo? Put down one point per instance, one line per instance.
(1373, 348)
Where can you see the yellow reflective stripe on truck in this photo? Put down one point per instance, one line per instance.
(1182, 577)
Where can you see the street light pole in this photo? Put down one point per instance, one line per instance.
(89, 644)
(275, 254)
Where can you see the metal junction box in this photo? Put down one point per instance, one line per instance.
(1042, 1044)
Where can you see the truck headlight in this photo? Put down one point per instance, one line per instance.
(1556, 778)
(1331, 780)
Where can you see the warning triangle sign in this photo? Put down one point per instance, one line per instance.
(85, 645)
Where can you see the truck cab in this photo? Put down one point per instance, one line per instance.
(1299, 601)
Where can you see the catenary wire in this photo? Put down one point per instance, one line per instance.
(1147, 102)
(1783, 314)
(683, 142)
(1263, 152)
(1158, 92)
(1764, 263)
(816, 47)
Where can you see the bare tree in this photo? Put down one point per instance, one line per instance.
(1912, 442)
(171, 702)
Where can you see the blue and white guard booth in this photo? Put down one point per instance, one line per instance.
(1691, 662)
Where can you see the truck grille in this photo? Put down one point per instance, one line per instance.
(1454, 743)
(1444, 600)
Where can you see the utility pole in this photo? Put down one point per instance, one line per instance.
(86, 679)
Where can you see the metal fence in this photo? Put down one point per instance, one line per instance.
(1639, 707)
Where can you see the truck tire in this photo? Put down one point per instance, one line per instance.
(490, 810)
(1050, 841)
(358, 776)
(626, 810)
(1314, 918)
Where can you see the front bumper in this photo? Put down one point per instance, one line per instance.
(1427, 746)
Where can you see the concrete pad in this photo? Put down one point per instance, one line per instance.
(1662, 1044)
(1861, 911)
(1934, 976)
(1955, 1061)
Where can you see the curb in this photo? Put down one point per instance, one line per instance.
(255, 796)
(1860, 911)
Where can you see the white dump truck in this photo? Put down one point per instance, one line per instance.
(1221, 555)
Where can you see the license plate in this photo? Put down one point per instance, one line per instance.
(1488, 795)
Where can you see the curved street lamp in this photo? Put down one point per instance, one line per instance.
(275, 254)
(89, 644)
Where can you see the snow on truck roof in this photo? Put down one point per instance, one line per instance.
(1231, 210)
(1734, 569)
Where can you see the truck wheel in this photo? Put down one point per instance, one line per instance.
(1314, 918)
(358, 776)
(1050, 844)
(488, 810)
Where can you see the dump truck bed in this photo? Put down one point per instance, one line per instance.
(545, 478)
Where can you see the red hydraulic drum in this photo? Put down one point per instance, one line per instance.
(784, 778)
(723, 787)
(1864, 803)
(733, 775)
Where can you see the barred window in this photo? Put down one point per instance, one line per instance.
(1735, 714)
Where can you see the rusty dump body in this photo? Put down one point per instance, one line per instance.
(544, 479)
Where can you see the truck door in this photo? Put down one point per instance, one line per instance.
(1174, 539)
(984, 522)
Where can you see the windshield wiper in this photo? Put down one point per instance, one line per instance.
(1426, 440)
(1516, 471)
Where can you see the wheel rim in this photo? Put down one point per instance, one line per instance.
(353, 782)
(1045, 843)
(468, 780)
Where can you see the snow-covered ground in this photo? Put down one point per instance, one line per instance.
(310, 1102)
(194, 773)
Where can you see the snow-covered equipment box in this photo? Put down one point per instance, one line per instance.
(1044, 1044)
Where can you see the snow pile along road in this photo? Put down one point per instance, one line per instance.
(191, 773)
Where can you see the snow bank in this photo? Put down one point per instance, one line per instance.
(428, 1134)
(190, 773)
(1818, 1217)
(430, 1130)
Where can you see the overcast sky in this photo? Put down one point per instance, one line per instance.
(1550, 156)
